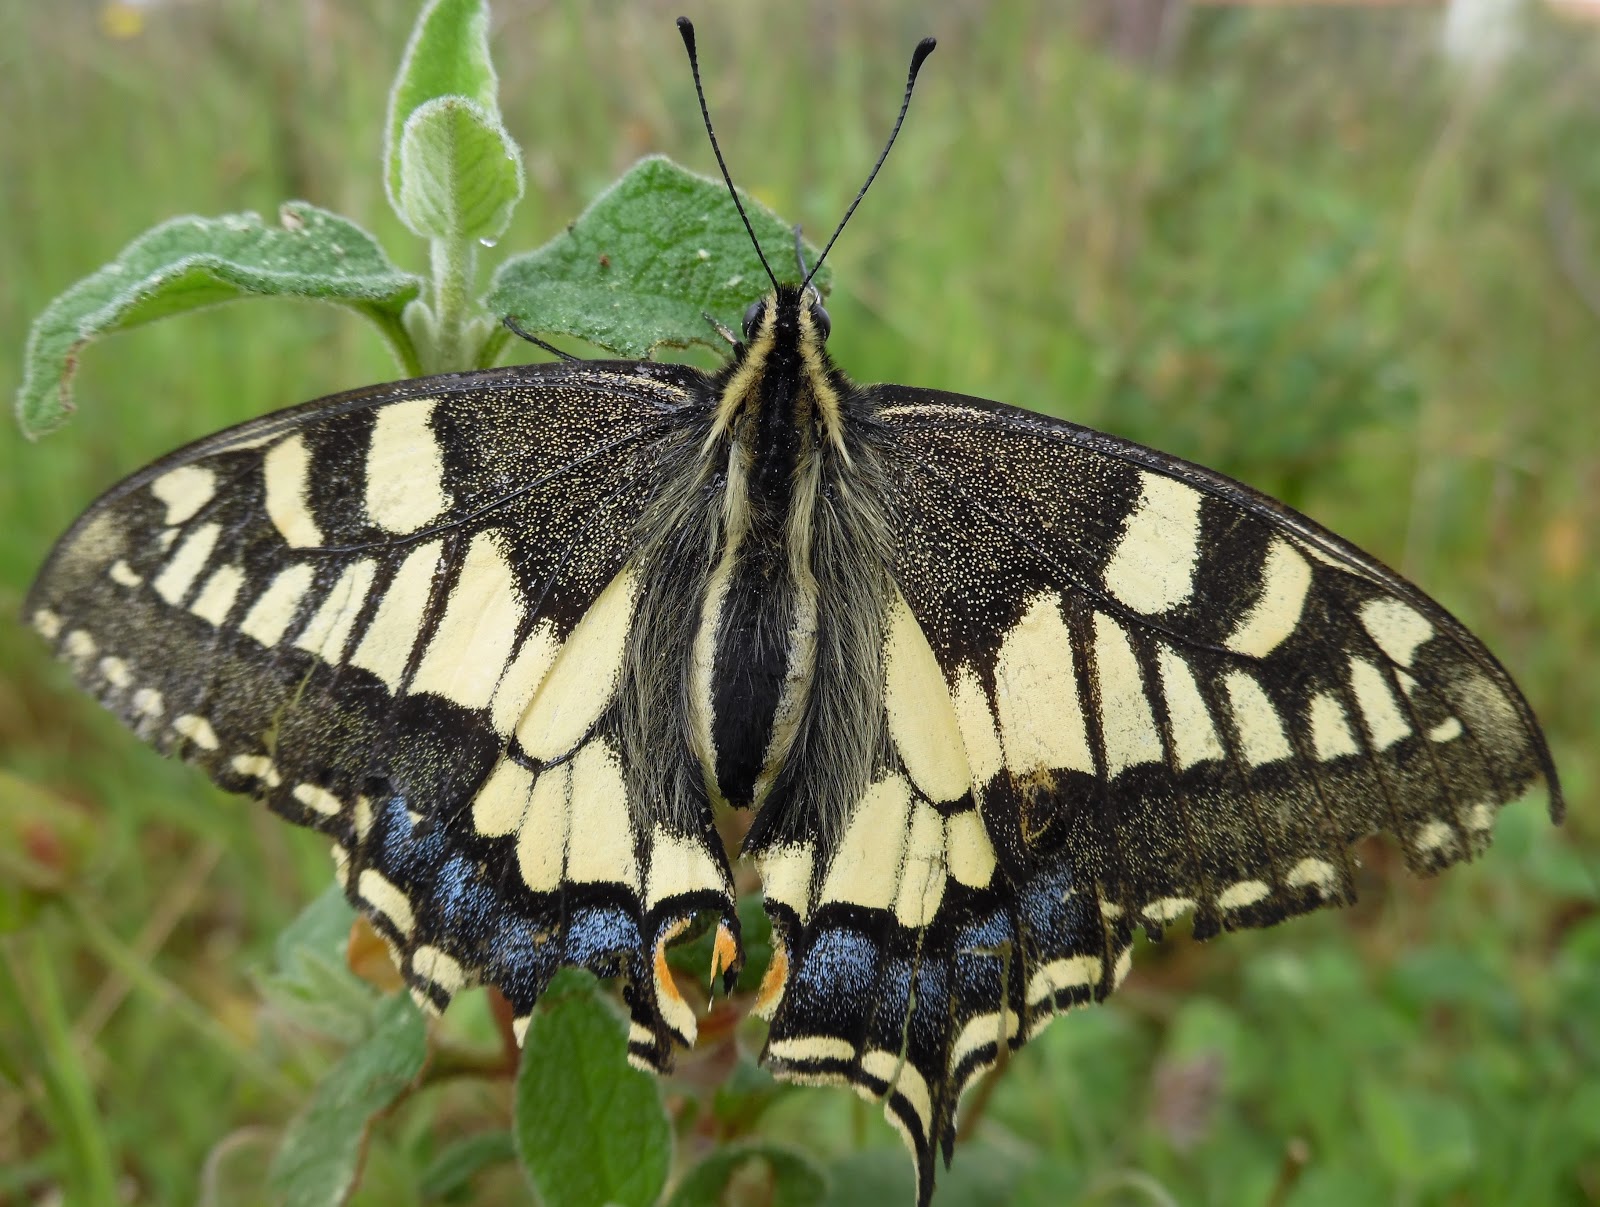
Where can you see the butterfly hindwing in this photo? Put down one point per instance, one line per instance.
(399, 616)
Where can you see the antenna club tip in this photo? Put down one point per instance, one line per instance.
(686, 28)
(923, 50)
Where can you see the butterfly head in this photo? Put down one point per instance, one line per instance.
(781, 391)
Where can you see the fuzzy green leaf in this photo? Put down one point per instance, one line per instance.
(449, 1175)
(312, 984)
(448, 55)
(797, 1180)
(644, 264)
(187, 263)
(321, 1151)
(590, 1129)
(460, 173)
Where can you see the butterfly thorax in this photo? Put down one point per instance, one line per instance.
(777, 428)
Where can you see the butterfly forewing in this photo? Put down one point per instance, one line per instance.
(1249, 693)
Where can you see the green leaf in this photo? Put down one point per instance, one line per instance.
(321, 1151)
(312, 984)
(460, 173)
(872, 1178)
(590, 1129)
(452, 1171)
(795, 1179)
(448, 55)
(1426, 1140)
(645, 262)
(187, 263)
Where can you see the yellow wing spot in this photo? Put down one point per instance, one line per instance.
(786, 873)
(1433, 836)
(270, 616)
(385, 647)
(1396, 628)
(502, 800)
(678, 866)
(1255, 721)
(1242, 893)
(1073, 972)
(467, 657)
(124, 574)
(286, 469)
(1446, 730)
(1313, 872)
(600, 847)
(1194, 734)
(1331, 737)
(116, 672)
(1036, 694)
(319, 800)
(1168, 909)
(922, 717)
(438, 968)
(387, 898)
(976, 723)
(542, 834)
(48, 623)
(864, 870)
(185, 491)
(405, 468)
(580, 684)
(968, 849)
(1127, 726)
(198, 730)
(1380, 712)
(922, 875)
(178, 575)
(216, 598)
(522, 677)
(1285, 582)
(812, 1049)
(258, 767)
(329, 630)
(1152, 568)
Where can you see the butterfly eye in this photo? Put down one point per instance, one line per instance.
(824, 324)
(752, 316)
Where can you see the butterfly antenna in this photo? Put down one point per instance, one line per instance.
(686, 28)
(923, 50)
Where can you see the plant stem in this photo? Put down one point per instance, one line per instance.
(455, 264)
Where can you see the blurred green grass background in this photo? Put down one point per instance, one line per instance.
(1292, 245)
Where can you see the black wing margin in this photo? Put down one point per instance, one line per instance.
(398, 616)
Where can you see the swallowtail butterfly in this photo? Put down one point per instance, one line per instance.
(999, 689)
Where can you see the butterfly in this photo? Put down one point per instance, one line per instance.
(996, 690)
